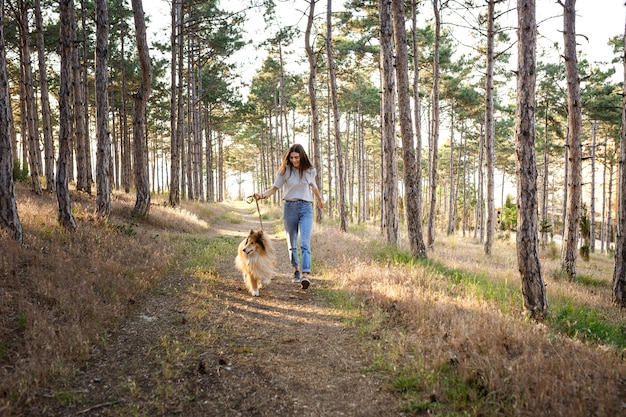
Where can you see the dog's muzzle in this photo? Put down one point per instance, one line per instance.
(248, 251)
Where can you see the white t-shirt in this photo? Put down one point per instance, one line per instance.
(297, 187)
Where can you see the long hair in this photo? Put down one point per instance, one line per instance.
(305, 162)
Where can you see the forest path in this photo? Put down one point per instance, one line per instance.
(206, 347)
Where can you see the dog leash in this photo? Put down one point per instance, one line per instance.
(258, 210)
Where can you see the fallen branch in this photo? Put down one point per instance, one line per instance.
(107, 404)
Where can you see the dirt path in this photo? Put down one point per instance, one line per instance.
(207, 348)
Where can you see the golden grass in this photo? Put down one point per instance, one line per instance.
(464, 354)
(446, 346)
(62, 293)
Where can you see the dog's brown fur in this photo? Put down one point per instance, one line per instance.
(256, 260)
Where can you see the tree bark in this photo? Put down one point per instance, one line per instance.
(412, 176)
(29, 116)
(48, 144)
(80, 132)
(490, 129)
(66, 218)
(176, 39)
(533, 289)
(574, 122)
(142, 175)
(315, 118)
(341, 179)
(619, 272)
(390, 158)
(9, 218)
(432, 216)
(103, 157)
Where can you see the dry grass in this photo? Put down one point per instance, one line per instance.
(449, 335)
(457, 341)
(62, 293)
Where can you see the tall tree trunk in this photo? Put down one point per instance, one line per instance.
(103, 156)
(417, 111)
(574, 122)
(490, 129)
(411, 174)
(142, 176)
(30, 130)
(435, 129)
(80, 134)
(126, 153)
(592, 205)
(544, 196)
(341, 180)
(451, 197)
(174, 197)
(9, 218)
(619, 272)
(533, 288)
(390, 158)
(604, 187)
(48, 144)
(85, 88)
(66, 218)
(315, 118)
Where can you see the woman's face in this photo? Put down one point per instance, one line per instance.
(294, 157)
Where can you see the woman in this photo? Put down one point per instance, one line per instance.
(297, 177)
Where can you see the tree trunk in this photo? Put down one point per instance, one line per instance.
(9, 218)
(341, 180)
(604, 187)
(411, 174)
(619, 272)
(544, 196)
(390, 158)
(80, 134)
(142, 176)
(125, 148)
(435, 129)
(48, 144)
(490, 129)
(103, 157)
(592, 205)
(533, 289)
(315, 118)
(451, 200)
(574, 122)
(66, 218)
(174, 197)
(29, 117)
(417, 111)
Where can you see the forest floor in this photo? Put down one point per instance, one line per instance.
(205, 347)
(150, 318)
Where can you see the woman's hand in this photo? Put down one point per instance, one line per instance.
(320, 204)
(257, 196)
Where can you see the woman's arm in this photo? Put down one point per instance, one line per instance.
(266, 194)
(320, 200)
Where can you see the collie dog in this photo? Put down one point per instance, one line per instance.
(256, 260)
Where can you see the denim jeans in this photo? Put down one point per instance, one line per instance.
(298, 217)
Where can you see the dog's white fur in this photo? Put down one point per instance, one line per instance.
(256, 260)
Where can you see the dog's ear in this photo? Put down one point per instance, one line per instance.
(251, 232)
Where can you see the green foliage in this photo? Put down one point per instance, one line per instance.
(19, 173)
(583, 322)
(508, 221)
(393, 256)
(585, 233)
(128, 230)
(22, 322)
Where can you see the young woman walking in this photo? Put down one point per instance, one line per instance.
(296, 176)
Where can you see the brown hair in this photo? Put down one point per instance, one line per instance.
(305, 162)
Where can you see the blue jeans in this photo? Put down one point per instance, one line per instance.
(298, 217)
